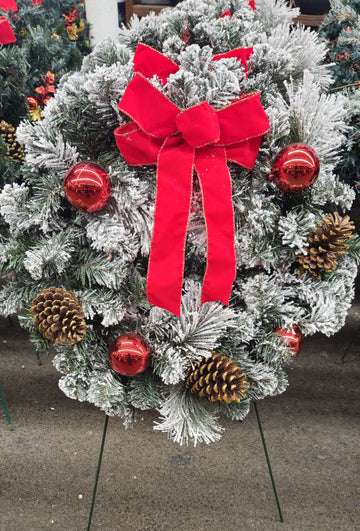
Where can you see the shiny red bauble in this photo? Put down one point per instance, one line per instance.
(129, 355)
(293, 337)
(87, 186)
(295, 168)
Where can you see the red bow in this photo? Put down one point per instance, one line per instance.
(6, 5)
(6, 33)
(178, 141)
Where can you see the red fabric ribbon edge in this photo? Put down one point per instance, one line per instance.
(7, 35)
(7, 5)
(179, 141)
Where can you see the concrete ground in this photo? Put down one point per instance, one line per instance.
(48, 463)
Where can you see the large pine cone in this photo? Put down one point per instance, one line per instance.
(325, 243)
(15, 150)
(217, 378)
(59, 316)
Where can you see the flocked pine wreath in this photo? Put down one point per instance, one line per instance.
(83, 219)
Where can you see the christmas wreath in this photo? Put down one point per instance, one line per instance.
(206, 141)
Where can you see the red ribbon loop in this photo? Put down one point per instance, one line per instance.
(7, 5)
(156, 119)
(7, 35)
(150, 62)
(179, 141)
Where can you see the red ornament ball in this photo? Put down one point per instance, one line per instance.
(295, 168)
(87, 186)
(293, 337)
(129, 355)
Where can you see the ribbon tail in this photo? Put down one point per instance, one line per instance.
(214, 176)
(167, 254)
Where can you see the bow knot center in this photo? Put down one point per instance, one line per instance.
(199, 125)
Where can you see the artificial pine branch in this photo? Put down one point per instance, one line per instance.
(341, 32)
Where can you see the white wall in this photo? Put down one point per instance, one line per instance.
(102, 16)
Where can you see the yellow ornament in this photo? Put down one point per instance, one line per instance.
(74, 30)
(36, 114)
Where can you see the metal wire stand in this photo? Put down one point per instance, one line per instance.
(350, 344)
(6, 410)
(98, 472)
(102, 451)
(38, 356)
(268, 463)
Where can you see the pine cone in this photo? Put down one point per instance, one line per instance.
(217, 378)
(59, 316)
(326, 242)
(15, 150)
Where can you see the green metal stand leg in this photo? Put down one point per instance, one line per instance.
(38, 356)
(350, 344)
(102, 450)
(268, 463)
(98, 472)
(6, 410)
